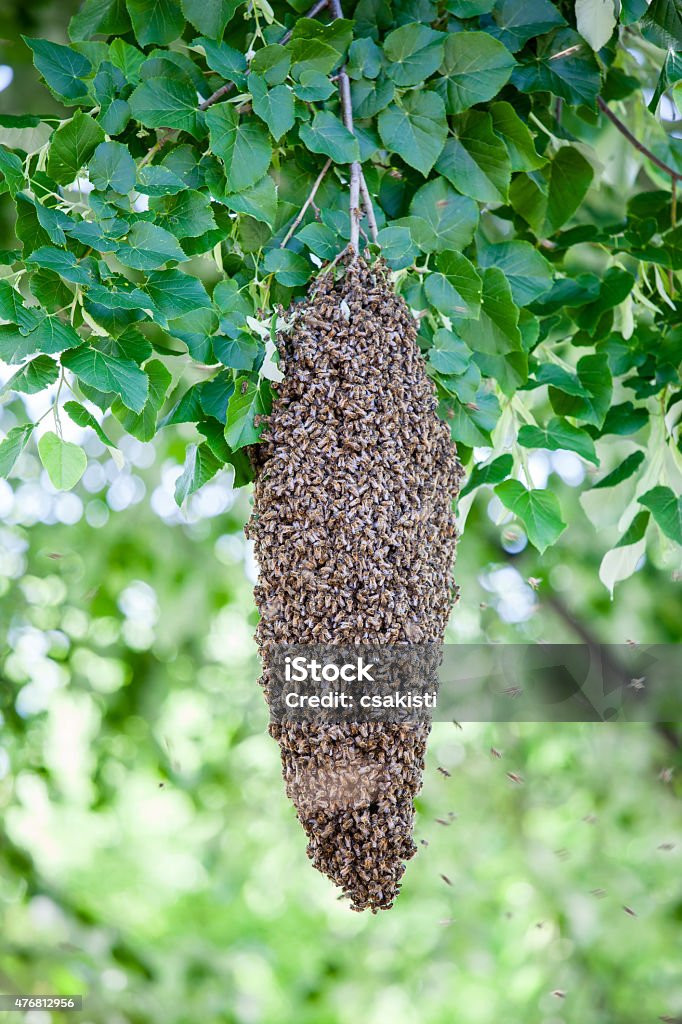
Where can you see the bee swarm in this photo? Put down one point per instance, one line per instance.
(355, 538)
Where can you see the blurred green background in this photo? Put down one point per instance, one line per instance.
(149, 859)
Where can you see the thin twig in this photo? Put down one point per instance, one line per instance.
(218, 95)
(314, 10)
(369, 208)
(625, 131)
(309, 200)
(355, 169)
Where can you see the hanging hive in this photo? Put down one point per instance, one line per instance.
(355, 538)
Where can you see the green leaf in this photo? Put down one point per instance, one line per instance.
(165, 103)
(148, 247)
(187, 214)
(72, 146)
(622, 561)
(128, 59)
(547, 199)
(624, 419)
(666, 508)
(416, 130)
(313, 86)
(662, 22)
(174, 293)
(450, 219)
(109, 374)
(63, 263)
(12, 171)
(215, 395)
(471, 424)
(516, 136)
(527, 271)
(489, 473)
(243, 147)
(112, 167)
(474, 69)
(156, 180)
(369, 97)
(537, 509)
(225, 61)
(156, 21)
(466, 386)
(475, 160)
(259, 201)
(62, 67)
(274, 106)
(65, 462)
(364, 59)
(595, 20)
(550, 373)
(397, 246)
(448, 353)
(210, 16)
(240, 353)
(248, 401)
(33, 377)
(54, 222)
(82, 417)
(51, 335)
(517, 21)
(496, 331)
(456, 291)
(201, 465)
(289, 268)
(104, 17)
(12, 308)
(12, 445)
(273, 63)
(564, 66)
(143, 425)
(414, 51)
(559, 435)
(627, 468)
(323, 241)
(329, 136)
(595, 377)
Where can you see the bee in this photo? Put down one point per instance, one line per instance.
(444, 772)
(629, 911)
(514, 777)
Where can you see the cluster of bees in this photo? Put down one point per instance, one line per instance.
(355, 537)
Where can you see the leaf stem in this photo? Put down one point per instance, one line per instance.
(639, 146)
(311, 196)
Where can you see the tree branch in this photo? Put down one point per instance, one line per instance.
(311, 196)
(369, 208)
(356, 176)
(639, 146)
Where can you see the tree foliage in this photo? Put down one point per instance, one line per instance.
(159, 234)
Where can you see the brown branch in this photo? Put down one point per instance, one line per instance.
(639, 146)
(311, 196)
